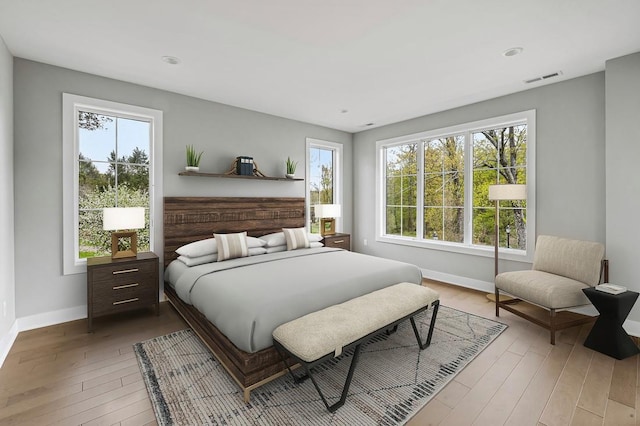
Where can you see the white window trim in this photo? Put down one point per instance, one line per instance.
(70, 106)
(337, 176)
(505, 253)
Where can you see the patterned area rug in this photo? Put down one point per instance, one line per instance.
(392, 380)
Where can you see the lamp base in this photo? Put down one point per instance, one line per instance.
(327, 226)
(116, 253)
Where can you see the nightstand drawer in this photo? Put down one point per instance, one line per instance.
(121, 273)
(342, 241)
(120, 301)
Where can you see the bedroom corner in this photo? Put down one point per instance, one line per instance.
(8, 327)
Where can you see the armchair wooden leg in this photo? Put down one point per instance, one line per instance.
(497, 302)
(552, 326)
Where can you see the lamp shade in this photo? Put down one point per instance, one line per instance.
(115, 218)
(507, 192)
(328, 210)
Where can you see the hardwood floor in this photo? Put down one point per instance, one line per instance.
(62, 375)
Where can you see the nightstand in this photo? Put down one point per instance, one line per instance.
(337, 240)
(120, 285)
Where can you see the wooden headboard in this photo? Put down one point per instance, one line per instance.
(189, 219)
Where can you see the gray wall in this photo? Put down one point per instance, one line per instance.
(623, 180)
(7, 276)
(223, 132)
(570, 188)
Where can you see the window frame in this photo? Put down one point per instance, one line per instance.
(466, 129)
(71, 104)
(337, 149)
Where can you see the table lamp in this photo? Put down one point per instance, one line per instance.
(123, 219)
(327, 214)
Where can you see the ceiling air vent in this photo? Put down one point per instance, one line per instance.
(544, 77)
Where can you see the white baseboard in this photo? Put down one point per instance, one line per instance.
(458, 280)
(51, 318)
(631, 327)
(6, 342)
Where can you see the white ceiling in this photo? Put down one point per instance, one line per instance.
(381, 60)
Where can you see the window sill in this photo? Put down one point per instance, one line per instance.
(482, 251)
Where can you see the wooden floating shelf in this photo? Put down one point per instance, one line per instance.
(222, 175)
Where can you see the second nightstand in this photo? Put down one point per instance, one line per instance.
(119, 285)
(337, 240)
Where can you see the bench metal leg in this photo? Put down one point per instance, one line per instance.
(426, 344)
(347, 384)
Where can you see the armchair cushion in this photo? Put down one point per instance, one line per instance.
(542, 288)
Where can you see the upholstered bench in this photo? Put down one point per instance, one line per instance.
(325, 334)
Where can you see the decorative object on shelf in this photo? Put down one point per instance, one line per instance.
(238, 166)
(119, 219)
(497, 193)
(327, 214)
(291, 168)
(193, 159)
(244, 166)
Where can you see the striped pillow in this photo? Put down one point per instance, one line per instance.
(296, 238)
(231, 246)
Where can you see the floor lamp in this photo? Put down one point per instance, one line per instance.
(497, 193)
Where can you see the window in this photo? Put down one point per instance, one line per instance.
(323, 178)
(111, 159)
(433, 186)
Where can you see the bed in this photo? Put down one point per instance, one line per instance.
(234, 305)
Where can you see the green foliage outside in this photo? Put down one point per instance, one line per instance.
(320, 186)
(499, 156)
(125, 183)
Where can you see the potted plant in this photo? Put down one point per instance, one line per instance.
(193, 159)
(291, 168)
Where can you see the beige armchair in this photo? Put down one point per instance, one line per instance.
(561, 269)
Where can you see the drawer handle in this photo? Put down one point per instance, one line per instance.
(118, 287)
(338, 242)
(125, 271)
(135, 299)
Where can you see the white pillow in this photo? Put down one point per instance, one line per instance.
(231, 246)
(314, 238)
(296, 238)
(276, 249)
(210, 246)
(255, 251)
(199, 248)
(193, 261)
(277, 239)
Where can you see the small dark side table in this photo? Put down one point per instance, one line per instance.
(607, 335)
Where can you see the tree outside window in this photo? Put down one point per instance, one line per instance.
(113, 171)
(443, 198)
(321, 180)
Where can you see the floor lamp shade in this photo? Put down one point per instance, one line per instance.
(327, 214)
(507, 192)
(121, 219)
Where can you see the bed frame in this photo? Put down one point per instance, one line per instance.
(189, 219)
